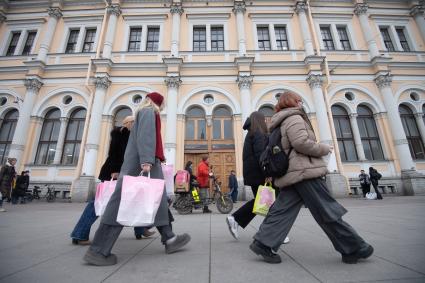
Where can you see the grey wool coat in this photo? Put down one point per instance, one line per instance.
(305, 159)
(140, 149)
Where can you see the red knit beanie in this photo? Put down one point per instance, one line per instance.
(156, 98)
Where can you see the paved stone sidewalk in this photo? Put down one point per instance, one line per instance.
(35, 247)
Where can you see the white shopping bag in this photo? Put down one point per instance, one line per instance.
(371, 196)
(168, 170)
(140, 200)
(104, 192)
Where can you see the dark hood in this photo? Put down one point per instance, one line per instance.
(247, 124)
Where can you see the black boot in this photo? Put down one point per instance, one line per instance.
(206, 209)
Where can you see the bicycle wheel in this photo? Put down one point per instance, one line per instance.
(224, 204)
(183, 205)
(50, 198)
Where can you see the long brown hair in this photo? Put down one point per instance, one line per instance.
(258, 123)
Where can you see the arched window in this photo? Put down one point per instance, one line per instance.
(195, 124)
(48, 138)
(120, 115)
(416, 145)
(222, 124)
(74, 134)
(344, 134)
(369, 134)
(7, 130)
(268, 112)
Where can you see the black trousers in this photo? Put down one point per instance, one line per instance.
(375, 187)
(365, 189)
(325, 209)
(244, 214)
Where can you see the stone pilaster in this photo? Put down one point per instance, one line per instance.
(361, 12)
(54, 15)
(239, 9)
(301, 9)
(176, 10)
(173, 83)
(114, 12)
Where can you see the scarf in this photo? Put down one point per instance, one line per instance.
(159, 151)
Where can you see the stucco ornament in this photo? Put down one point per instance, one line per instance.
(176, 9)
(300, 7)
(173, 82)
(239, 7)
(102, 82)
(244, 81)
(54, 12)
(383, 80)
(114, 9)
(315, 81)
(361, 8)
(33, 84)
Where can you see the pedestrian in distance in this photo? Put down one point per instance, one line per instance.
(375, 176)
(302, 184)
(109, 171)
(254, 144)
(189, 168)
(144, 154)
(233, 186)
(7, 177)
(364, 182)
(21, 187)
(203, 179)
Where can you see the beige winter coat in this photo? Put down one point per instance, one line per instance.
(305, 159)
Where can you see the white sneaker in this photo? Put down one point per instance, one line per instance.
(286, 240)
(233, 226)
(2, 209)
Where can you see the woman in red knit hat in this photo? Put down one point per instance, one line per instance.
(144, 153)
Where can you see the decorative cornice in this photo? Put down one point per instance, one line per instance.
(383, 80)
(315, 81)
(33, 84)
(176, 9)
(400, 142)
(102, 82)
(173, 82)
(417, 10)
(360, 8)
(114, 9)
(239, 7)
(301, 6)
(244, 81)
(54, 12)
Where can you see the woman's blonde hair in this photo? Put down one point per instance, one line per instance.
(148, 103)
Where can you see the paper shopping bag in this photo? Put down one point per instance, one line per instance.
(264, 199)
(167, 170)
(104, 192)
(140, 200)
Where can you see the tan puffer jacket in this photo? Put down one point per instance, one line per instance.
(305, 159)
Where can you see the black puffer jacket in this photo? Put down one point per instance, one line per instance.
(253, 146)
(119, 140)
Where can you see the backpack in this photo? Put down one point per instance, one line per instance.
(274, 162)
(182, 180)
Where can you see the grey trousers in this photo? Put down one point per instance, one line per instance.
(106, 236)
(325, 209)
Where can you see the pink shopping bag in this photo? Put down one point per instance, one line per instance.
(140, 200)
(168, 170)
(104, 192)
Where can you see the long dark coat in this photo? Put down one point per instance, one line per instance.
(119, 140)
(7, 173)
(22, 183)
(140, 149)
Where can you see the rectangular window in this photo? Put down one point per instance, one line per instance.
(153, 39)
(403, 39)
(387, 39)
(281, 38)
(89, 40)
(263, 38)
(72, 41)
(343, 38)
(199, 39)
(29, 42)
(135, 39)
(13, 43)
(328, 42)
(217, 39)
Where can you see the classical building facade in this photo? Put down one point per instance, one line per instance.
(71, 70)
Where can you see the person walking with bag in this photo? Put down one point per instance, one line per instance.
(21, 187)
(374, 179)
(233, 186)
(302, 184)
(144, 153)
(109, 171)
(364, 182)
(7, 175)
(254, 144)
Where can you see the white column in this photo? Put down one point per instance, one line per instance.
(421, 125)
(176, 10)
(54, 15)
(114, 11)
(21, 133)
(239, 10)
(400, 141)
(300, 9)
(357, 137)
(173, 84)
(61, 140)
(361, 12)
(93, 136)
(418, 13)
(315, 82)
(244, 83)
